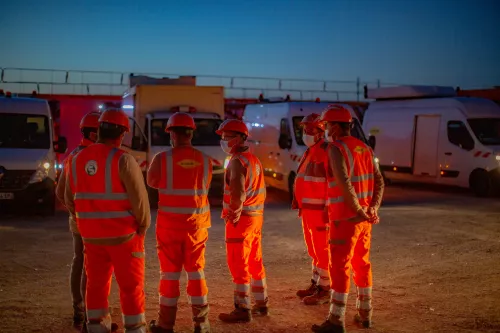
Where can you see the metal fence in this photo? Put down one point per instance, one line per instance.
(81, 82)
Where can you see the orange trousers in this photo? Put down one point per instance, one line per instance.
(350, 248)
(244, 258)
(315, 227)
(127, 262)
(177, 249)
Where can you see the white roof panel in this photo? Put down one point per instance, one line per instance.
(410, 92)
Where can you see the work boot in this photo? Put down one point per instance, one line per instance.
(320, 296)
(362, 322)
(309, 291)
(78, 315)
(153, 328)
(260, 310)
(328, 327)
(114, 328)
(238, 315)
(205, 328)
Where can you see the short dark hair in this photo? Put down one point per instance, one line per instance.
(110, 131)
(86, 131)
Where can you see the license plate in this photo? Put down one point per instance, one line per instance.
(6, 196)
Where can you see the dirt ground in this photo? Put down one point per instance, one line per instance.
(435, 255)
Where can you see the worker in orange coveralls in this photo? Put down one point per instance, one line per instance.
(355, 190)
(78, 278)
(182, 176)
(243, 210)
(310, 199)
(106, 192)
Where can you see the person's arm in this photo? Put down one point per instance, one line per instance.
(133, 180)
(61, 185)
(378, 191)
(69, 198)
(154, 172)
(237, 173)
(338, 168)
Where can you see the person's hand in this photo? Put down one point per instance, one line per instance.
(141, 232)
(364, 215)
(373, 213)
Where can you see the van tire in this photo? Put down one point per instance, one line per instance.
(49, 208)
(480, 183)
(291, 183)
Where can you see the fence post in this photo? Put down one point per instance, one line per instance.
(358, 84)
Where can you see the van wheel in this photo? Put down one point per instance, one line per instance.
(49, 208)
(291, 182)
(480, 183)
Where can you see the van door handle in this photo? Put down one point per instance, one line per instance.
(448, 153)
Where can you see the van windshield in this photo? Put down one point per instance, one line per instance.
(204, 135)
(486, 130)
(24, 131)
(356, 131)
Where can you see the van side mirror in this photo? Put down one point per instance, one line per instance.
(136, 143)
(285, 142)
(61, 145)
(372, 141)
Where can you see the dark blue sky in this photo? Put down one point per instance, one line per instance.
(450, 42)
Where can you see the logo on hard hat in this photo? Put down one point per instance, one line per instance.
(91, 168)
(188, 164)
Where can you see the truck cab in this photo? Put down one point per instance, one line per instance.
(28, 160)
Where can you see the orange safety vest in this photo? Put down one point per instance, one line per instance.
(359, 160)
(255, 187)
(102, 205)
(185, 179)
(310, 184)
(84, 143)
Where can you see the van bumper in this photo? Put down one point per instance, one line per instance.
(33, 197)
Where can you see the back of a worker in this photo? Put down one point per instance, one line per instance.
(78, 278)
(355, 189)
(107, 194)
(243, 213)
(182, 176)
(310, 199)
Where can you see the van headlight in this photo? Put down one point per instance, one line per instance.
(42, 172)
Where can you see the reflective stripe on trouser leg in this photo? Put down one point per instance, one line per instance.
(135, 323)
(242, 295)
(338, 302)
(323, 278)
(259, 290)
(98, 321)
(315, 273)
(364, 300)
(197, 288)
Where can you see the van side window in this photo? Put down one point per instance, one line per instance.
(284, 127)
(285, 139)
(459, 135)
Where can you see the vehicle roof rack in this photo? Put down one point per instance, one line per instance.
(409, 92)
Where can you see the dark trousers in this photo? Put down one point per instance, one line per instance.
(78, 278)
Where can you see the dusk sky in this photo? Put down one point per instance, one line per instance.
(448, 42)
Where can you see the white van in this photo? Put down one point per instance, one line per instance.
(28, 165)
(428, 134)
(276, 137)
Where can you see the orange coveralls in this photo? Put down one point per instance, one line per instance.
(112, 229)
(351, 188)
(182, 176)
(310, 198)
(243, 210)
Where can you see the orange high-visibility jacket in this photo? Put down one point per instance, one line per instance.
(185, 179)
(359, 161)
(255, 187)
(310, 184)
(102, 205)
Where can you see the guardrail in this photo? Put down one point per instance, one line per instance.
(84, 82)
